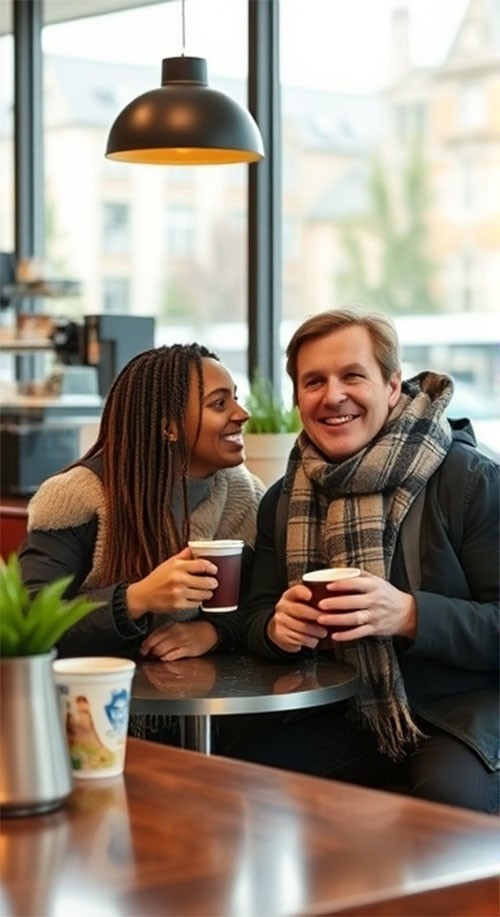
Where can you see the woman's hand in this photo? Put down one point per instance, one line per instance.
(179, 640)
(179, 582)
(372, 608)
(295, 623)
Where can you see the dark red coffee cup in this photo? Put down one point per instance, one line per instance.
(317, 581)
(226, 555)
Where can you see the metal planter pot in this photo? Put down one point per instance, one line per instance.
(35, 775)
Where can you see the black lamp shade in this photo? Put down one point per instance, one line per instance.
(184, 122)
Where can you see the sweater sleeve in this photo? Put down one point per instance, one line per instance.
(48, 555)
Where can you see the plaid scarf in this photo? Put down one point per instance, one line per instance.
(350, 514)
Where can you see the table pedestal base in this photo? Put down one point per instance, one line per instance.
(196, 733)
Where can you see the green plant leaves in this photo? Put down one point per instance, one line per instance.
(267, 413)
(29, 626)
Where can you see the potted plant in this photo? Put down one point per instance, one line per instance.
(270, 432)
(35, 774)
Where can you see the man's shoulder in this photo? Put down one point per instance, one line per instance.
(464, 457)
(464, 472)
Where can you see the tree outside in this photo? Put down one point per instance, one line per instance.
(396, 221)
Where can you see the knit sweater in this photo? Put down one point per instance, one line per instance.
(74, 497)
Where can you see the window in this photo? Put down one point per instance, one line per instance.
(166, 222)
(6, 144)
(472, 107)
(116, 295)
(348, 176)
(116, 229)
(388, 211)
(410, 121)
(180, 232)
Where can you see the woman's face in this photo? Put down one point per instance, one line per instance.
(342, 397)
(218, 443)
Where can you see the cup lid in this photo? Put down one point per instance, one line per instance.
(331, 574)
(216, 548)
(93, 665)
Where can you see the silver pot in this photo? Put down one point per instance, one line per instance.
(35, 774)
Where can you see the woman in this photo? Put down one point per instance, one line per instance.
(166, 466)
(422, 626)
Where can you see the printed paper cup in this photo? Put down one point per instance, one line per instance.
(94, 699)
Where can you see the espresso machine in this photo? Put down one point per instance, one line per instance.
(110, 341)
(47, 423)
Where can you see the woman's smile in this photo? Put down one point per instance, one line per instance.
(236, 437)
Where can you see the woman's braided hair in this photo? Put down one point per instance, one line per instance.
(141, 469)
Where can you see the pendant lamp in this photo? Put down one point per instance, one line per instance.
(184, 122)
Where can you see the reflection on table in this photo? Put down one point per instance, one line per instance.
(197, 689)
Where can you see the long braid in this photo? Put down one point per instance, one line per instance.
(141, 468)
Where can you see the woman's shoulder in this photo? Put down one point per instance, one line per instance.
(66, 500)
(241, 481)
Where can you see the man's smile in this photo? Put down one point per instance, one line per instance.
(338, 420)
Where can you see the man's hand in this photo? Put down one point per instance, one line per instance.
(371, 608)
(295, 623)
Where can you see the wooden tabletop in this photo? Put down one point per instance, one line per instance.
(183, 834)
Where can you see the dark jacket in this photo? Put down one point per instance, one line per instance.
(49, 554)
(450, 669)
(109, 630)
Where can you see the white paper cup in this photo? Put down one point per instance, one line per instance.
(226, 555)
(94, 699)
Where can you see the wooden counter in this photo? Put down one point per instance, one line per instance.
(186, 834)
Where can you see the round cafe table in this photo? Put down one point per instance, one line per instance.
(197, 689)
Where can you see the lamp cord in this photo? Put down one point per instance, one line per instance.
(183, 4)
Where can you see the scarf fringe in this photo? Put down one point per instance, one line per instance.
(396, 734)
(381, 704)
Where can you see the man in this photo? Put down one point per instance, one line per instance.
(422, 627)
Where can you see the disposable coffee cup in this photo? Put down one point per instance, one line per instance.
(317, 581)
(226, 555)
(94, 700)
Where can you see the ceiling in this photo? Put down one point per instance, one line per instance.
(63, 10)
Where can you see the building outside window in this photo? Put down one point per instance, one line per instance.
(472, 107)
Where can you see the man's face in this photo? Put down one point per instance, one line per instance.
(342, 397)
